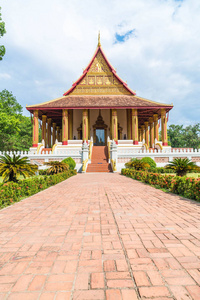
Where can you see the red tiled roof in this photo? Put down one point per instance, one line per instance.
(99, 101)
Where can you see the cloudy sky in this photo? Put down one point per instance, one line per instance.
(154, 45)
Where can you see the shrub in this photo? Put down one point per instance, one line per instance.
(149, 161)
(161, 170)
(181, 166)
(13, 166)
(56, 167)
(70, 162)
(43, 172)
(137, 164)
(184, 186)
(12, 191)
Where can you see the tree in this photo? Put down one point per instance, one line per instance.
(12, 167)
(9, 104)
(2, 32)
(15, 129)
(188, 137)
(192, 136)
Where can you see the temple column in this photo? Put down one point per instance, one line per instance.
(111, 124)
(57, 133)
(44, 125)
(142, 133)
(164, 127)
(65, 127)
(139, 134)
(54, 133)
(71, 125)
(89, 125)
(128, 115)
(156, 128)
(114, 126)
(146, 124)
(60, 135)
(151, 132)
(134, 126)
(85, 125)
(35, 128)
(49, 132)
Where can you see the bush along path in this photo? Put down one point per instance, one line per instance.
(185, 186)
(13, 192)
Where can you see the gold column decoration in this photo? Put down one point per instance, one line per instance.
(57, 133)
(44, 125)
(146, 124)
(65, 126)
(142, 133)
(114, 126)
(111, 124)
(35, 128)
(71, 124)
(49, 132)
(139, 134)
(156, 128)
(134, 126)
(85, 125)
(54, 133)
(151, 132)
(128, 115)
(89, 124)
(164, 127)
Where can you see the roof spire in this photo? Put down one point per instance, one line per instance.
(99, 42)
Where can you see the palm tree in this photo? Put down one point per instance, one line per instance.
(12, 167)
(181, 166)
(57, 167)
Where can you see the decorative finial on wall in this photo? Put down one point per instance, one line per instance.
(99, 42)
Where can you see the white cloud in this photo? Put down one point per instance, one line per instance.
(5, 76)
(59, 37)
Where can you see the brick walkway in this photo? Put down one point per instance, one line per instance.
(100, 236)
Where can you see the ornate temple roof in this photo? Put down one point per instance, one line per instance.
(99, 101)
(99, 87)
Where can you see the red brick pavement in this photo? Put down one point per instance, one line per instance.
(100, 236)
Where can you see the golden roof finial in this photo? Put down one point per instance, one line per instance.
(99, 42)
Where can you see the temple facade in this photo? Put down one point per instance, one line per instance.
(99, 107)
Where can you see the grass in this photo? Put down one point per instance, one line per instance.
(195, 175)
(21, 177)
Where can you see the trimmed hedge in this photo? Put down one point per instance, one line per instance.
(71, 162)
(12, 192)
(149, 161)
(188, 187)
(161, 170)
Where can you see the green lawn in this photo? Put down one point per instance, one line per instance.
(195, 175)
(20, 177)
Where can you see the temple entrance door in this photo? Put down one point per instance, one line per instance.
(100, 137)
(100, 131)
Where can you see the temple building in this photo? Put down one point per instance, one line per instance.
(100, 106)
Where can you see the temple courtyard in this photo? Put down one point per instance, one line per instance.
(100, 236)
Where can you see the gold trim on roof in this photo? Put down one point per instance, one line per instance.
(164, 104)
(99, 42)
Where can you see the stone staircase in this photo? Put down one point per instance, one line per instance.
(99, 161)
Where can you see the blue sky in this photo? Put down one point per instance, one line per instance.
(154, 45)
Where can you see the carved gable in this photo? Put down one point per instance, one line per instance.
(100, 80)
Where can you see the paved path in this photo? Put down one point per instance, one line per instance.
(100, 236)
